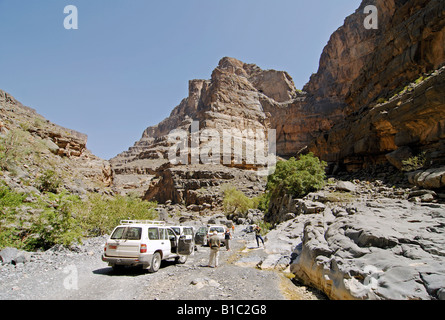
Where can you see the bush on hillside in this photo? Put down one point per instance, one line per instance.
(100, 214)
(51, 219)
(49, 181)
(414, 163)
(14, 147)
(297, 177)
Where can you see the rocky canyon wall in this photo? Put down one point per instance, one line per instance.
(238, 98)
(378, 80)
(376, 91)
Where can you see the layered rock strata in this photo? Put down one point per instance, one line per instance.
(362, 69)
(199, 187)
(236, 100)
(37, 145)
(411, 121)
(350, 113)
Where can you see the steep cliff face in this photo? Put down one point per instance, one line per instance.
(337, 115)
(361, 67)
(358, 67)
(412, 120)
(237, 98)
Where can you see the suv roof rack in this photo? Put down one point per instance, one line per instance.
(151, 222)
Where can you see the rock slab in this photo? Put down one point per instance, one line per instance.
(386, 250)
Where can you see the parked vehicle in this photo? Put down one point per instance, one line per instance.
(146, 243)
(204, 233)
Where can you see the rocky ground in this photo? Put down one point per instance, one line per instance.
(351, 240)
(79, 273)
(366, 240)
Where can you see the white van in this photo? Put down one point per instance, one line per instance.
(145, 243)
(203, 234)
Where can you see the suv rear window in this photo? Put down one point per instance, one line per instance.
(153, 234)
(217, 229)
(127, 233)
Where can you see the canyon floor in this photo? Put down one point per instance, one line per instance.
(79, 274)
(370, 242)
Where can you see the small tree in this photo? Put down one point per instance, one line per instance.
(49, 181)
(236, 201)
(298, 177)
(13, 148)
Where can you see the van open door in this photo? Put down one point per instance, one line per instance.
(186, 243)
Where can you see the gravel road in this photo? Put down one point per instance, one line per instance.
(79, 274)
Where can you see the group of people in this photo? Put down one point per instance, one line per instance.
(215, 244)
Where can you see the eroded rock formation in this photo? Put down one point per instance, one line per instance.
(360, 69)
(381, 250)
(38, 145)
(237, 98)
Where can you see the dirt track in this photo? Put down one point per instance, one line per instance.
(82, 275)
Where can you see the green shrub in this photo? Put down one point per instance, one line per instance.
(9, 198)
(41, 224)
(381, 100)
(263, 201)
(13, 148)
(63, 218)
(9, 201)
(236, 201)
(298, 177)
(49, 181)
(414, 163)
(56, 224)
(100, 214)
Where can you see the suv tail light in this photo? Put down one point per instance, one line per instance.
(143, 248)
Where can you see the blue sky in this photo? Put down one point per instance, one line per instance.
(129, 63)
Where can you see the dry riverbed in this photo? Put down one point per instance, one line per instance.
(79, 274)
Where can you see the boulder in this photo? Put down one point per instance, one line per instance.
(310, 207)
(433, 178)
(13, 256)
(397, 157)
(345, 186)
(7, 255)
(54, 148)
(390, 250)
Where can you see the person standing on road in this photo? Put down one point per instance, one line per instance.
(227, 237)
(257, 230)
(215, 244)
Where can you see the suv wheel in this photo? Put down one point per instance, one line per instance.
(155, 263)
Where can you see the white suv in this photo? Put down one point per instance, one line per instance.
(145, 243)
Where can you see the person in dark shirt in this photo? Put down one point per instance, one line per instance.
(258, 236)
(227, 237)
